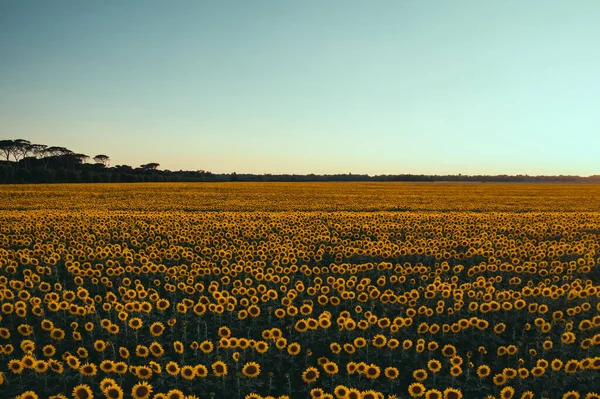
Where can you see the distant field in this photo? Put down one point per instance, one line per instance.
(304, 196)
(252, 291)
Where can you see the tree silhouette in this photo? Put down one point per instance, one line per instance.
(22, 148)
(150, 166)
(58, 151)
(102, 159)
(39, 150)
(6, 148)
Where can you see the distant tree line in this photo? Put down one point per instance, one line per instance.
(24, 162)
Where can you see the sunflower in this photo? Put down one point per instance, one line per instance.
(432, 346)
(206, 346)
(527, 395)
(372, 371)
(452, 393)
(121, 367)
(511, 350)
(391, 373)
(41, 366)
(251, 369)
(113, 392)
(293, 348)
(253, 395)
(416, 389)
(538, 371)
(261, 347)
(141, 390)
(371, 394)
(335, 348)
(499, 379)
(523, 372)
(107, 382)
(82, 391)
(351, 367)
(219, 368)
(393, 343)
(175, 394)
(156, 349)
(29, 395)
(157, 328)
(433, 394)
(178, 347)
(507, 393)
(316, 393)
(188, 372)
(28, 361)
(156, 368)
(571, 395)
(455, 371)
(420, 375)
(107, 366)
(47, 325)
(483, 371)
(354, 393)
(449, 350)
(201, 370)
(301, 326)
(310, 375)
(88, 369)
(360, 342)
(73, 362)
(556, 364)
(434, 365)
(49, 350)
(135, 323)
(330, 368)
(379, 341)
(341, 392)
(224, 332)
(509, 373)
(571, 366)
(124, 352)
(143, 372)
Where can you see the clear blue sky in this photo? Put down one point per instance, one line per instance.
(307, 86)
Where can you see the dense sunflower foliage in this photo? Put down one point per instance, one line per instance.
(328, 197)
(121, 294)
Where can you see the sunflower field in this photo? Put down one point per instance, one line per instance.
(330, 290)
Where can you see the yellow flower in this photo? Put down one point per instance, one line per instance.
(416, 389)
(219, 368)
(82, 391)
(141, 390)
(311, 374)
(251, 369)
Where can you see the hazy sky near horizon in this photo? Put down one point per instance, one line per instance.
(336, 86)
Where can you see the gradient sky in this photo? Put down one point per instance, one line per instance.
(377, 87)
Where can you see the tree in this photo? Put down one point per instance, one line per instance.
(6, 148)
(22, 148)
(150, 166)
(102, 159)
(58, 151)
(39, 150)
